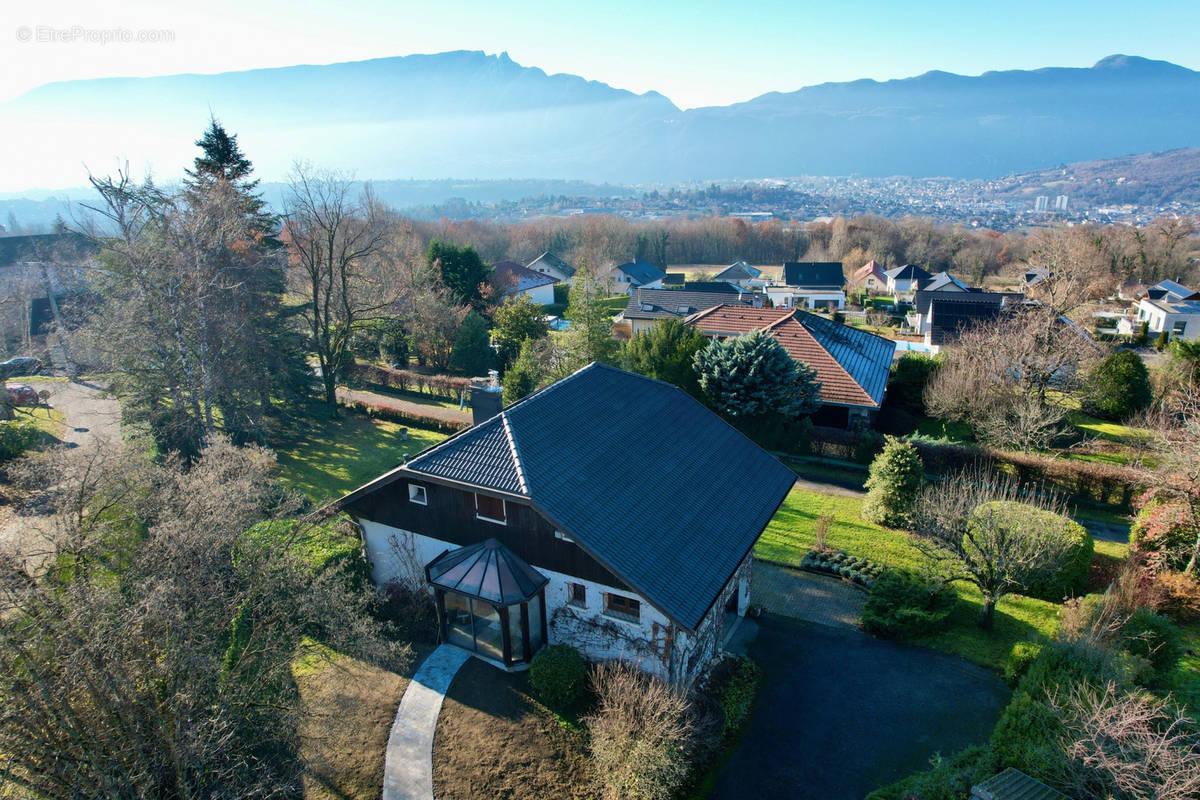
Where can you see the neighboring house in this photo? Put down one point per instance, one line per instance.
(549, 264)
(852, 365)
(941, 316)
(676, 279)
(870, 276)
(943, 282)
(510, 278)
(635, 274)
(36, 268)
(1165, 306)
(810, 284)
(648, 307)
(742, 274)
(906, 279)
(576, 516)
(1034, 276)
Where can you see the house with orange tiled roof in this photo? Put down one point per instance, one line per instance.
(852, 365)
(870, 277)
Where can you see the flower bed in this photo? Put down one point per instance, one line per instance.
(840, 564)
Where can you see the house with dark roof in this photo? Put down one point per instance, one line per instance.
(576, 516)
(675, 279)
(550, 264)
(905, 280)
(648, 307)
(636, 274)
(943, 316)
(1166, 306)
(852, 365)
(511, 279)
(741, 273)
(943, 282)
(810, 284)
(870, 277)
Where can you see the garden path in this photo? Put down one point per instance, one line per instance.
(408, 762)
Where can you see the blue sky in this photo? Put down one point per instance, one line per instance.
(697, 53)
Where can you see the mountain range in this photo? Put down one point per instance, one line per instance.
(471, 115)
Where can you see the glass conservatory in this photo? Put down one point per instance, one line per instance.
(490, 602)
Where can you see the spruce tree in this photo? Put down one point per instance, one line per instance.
(590, 336)
(752, 375)
(895, 480)
(524, 376)
(666, 352)
(472, 353)
(223, 161)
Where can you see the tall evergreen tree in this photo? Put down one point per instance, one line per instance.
(472, 354)
(590, 336)
(667, 352)
(223, 161)
(463, 271)
(752, 375)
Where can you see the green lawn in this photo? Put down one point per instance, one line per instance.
(1185, 683)
(790, 534)
(942, 429)
(1112, 431)
(324, 457)
(48, 420)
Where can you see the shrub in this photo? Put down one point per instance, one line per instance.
(1020, 659)
(1064, 665)
(1177, 594)
(558, 675)
(17, 437)
(868, 446)
(901, 604)
(893, 484)
(1071, 576)
(639, 734)
(411, 610)
(949, 779)
(1027, 738)
(906, 385)
(1118, 387)
(734, 685)
(1164, 532)
(1155, 638)
(426, 421)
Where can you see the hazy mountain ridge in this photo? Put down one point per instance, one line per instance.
(1142, 179)
(469, 114)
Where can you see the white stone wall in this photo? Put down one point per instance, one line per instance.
(653, 642)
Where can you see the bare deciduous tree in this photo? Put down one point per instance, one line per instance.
(962, 527)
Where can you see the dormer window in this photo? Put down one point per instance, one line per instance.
(490, 509)
(417, 494)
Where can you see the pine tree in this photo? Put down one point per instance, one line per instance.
(590, 336)
(223, 161)
(753, 376)
(524, 376)
(894, 482)
(472, 353)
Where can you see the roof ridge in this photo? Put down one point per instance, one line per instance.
(858, 386)
(516, 454)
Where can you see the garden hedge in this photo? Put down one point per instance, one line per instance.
(902, 605)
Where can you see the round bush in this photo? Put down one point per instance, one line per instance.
(1155, 638)
(1118, 387)
(1070, 578)
(902, 604)
(1020, 659)
(558, 675)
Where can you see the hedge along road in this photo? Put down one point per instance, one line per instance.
(840, 714)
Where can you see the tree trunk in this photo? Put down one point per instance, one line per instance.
(988, 615)
(330, 389)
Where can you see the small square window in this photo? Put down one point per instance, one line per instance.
(623, 607)
(563, 537)
(577, 594)
(490, 509)
(416, 494)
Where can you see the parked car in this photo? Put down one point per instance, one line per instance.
(22, 394)
(21, 365)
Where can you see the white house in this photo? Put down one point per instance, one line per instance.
(510, 278)
(637, 274)
(906, 279)
(1165, 306)
(810, 284)
(536, 525)
(550, 264)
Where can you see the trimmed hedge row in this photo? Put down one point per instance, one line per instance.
(376, 411)
(841, 564)
(438, 385)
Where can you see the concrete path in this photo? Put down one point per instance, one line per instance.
(408, 762)
(807, 596)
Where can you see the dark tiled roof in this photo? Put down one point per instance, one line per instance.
(852, 365)
(510, 277)
(943, 282)
(650, 500)
(68, 247)
(741, 271)
(950, 315)
(664, 303)
(1012, 784)
(923, 297)
(487, 570)
(814, 274)
(722, 287)
(642, 271)
(553, 262)
(908, 272)
(675, 279)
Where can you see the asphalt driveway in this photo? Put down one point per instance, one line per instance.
(841, 714)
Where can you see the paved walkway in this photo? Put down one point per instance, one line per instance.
(408, 762)
(807, 596)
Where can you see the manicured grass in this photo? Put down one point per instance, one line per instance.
(790, 534)
(48, 420)
(1117, 550)
(942, 429)
(616, 304)
(1185, 683)
(325, 456)
(406, 394)
(1112, 431)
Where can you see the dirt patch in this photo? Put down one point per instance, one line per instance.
(349, 708)
(493, 741)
